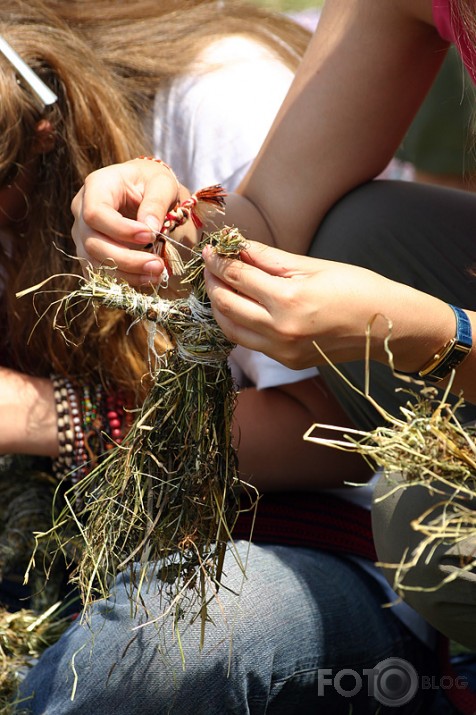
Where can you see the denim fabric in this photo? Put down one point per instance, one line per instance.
(298, 611)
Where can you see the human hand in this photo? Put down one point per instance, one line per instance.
(116, 213)
(279, 303)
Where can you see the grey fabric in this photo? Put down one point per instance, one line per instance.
(448, 598)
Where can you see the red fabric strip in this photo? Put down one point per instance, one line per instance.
(314, 520)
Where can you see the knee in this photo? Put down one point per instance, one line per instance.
(435, 577)
(154, 670)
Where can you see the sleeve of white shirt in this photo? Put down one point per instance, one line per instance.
(209, 126)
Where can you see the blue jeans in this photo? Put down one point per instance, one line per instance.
(299, 611)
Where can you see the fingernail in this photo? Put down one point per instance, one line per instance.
(148, 280)
(154, 267)
(144, 236)
(153, 223)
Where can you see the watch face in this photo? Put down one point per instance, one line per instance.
(452, 360)
(451, 354)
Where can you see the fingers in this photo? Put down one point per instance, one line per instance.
(271, 260)
(246, 278)
(242, 319)
(126, 202)
(99, 217)
(259, 302)
(96, 249)
(117, 211)
(161, 192)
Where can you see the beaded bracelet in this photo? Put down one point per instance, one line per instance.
(80, 458)
(74, 459)
(62, 465)
(90, 424)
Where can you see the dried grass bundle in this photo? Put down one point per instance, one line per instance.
(168, 494)
(429, 447)
(24, 635)
(26, 505)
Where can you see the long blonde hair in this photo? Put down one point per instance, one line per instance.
(105, 59)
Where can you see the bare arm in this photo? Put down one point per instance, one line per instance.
(28, 418)
(280, 304)
(366, 71)
(268, 430)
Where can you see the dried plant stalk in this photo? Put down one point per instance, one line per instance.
(168, 494)
(429, 447)
(24, 635)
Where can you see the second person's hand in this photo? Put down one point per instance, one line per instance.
(280, 304)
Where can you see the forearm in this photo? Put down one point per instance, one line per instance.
(268, 430)
(405, 325)
(28, 419)
(422, 326)
(342, 120)
(284, 305)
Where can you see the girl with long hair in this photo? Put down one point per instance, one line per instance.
(401, 251)
(311, 591)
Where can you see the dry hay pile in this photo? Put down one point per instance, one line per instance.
(26, 498)
(429, 447)
(24, 635)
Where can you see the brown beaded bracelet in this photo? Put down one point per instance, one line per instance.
(63, 464)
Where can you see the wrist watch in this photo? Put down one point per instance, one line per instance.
(451, 354)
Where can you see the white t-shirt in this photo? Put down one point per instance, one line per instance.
(209, 126)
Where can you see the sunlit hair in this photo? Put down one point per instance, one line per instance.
(93, 127)
(463, 18)
(42, 92)
(104, 59)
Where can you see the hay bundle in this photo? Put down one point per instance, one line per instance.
(26, 506)
(429, 447)
(24, 635)
(167, 494)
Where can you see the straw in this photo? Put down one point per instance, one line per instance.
(167, 497)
